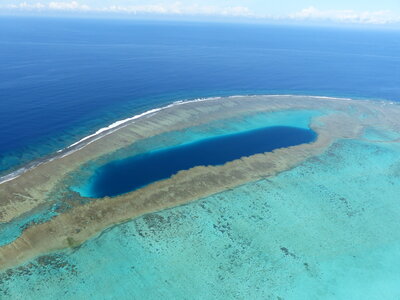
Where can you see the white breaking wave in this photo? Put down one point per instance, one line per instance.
(123, 123)
(118, 124)
(96, 136)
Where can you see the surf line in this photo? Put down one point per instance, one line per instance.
(82, 143)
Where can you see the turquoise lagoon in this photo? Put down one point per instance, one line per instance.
(325, 229)
(328, 229)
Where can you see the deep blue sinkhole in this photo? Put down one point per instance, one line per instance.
(125, 175)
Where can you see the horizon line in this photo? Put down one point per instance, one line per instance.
(178, 11)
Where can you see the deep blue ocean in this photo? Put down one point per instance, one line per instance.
(62, 79)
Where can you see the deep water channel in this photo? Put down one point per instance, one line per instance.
(126, 175)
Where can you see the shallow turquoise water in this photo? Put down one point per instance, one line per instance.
(326, 229)
(380, 134)
(318, 231)
(300, 119)
(11, 230)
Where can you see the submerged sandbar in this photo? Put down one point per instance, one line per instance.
(48, 182)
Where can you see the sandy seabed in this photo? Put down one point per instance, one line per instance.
(338, 122)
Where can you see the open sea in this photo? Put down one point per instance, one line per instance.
(326, 229)
(64, 79)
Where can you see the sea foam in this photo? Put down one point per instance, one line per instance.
(123, 123)
(94, 137)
